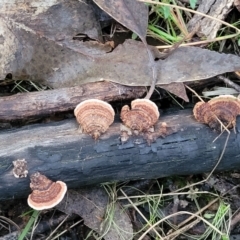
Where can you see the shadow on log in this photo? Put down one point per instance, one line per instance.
(61, 152)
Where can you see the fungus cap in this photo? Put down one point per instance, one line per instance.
(224, 107)
(143, 115)
(148, 106)
(45, 194)
(95, 116)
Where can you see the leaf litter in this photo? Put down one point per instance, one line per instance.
(59, 61)
(91, 204)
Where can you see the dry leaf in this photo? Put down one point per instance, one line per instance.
(37, 52)
(176, 88)
(56, 20)
(130, 13)
(91, 205)
(133, 15)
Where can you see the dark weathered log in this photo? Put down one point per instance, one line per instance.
(59, 151)
(35, 104)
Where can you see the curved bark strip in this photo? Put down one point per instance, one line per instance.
(59, 151)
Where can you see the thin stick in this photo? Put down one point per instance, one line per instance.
(198, 212)
(61, 233)
(182, 230)
(176, 214)
(217, 39)
(11, 222)
(230, 83)
(192, 11)
(166, 195)
(59, 225)
(133, 205)
(194, 92)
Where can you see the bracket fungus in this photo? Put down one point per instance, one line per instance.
(143, 115)
(45, 193)
(94, 116)
(224, 108)
(20, 168)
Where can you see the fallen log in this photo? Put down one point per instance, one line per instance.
(59, 151)
(43, 103)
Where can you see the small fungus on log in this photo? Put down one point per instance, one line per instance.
(95, 116)
(143, 115)
(46, 193)
(20, 168)
(224, 108)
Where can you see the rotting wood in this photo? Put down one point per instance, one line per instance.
(43, 103)
(24, 105)
(60, 152)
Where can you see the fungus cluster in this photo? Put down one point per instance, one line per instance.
(224, 108)
(142, 116)
(94, 116)
(45, 193)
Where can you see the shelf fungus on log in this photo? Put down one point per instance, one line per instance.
(45, 193)
(20, 168)
(94, 116)
(224, 108)
(142, 116)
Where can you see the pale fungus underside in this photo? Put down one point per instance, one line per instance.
(46, 193)
(142, 116)
(94, 116)
(223, 109)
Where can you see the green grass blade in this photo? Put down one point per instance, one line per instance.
(29, 225)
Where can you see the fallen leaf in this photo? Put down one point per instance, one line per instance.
(176, 88)
(56, 20)
(133, 15)
(91, 204)
(65, 63)
(130, 13)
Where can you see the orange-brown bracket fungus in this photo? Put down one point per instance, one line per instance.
(224, 108)
(94, 116)
(143, 115)
(45, 193)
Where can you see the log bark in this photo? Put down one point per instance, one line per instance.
(60, 152)
(44, 103)
(34, 104)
